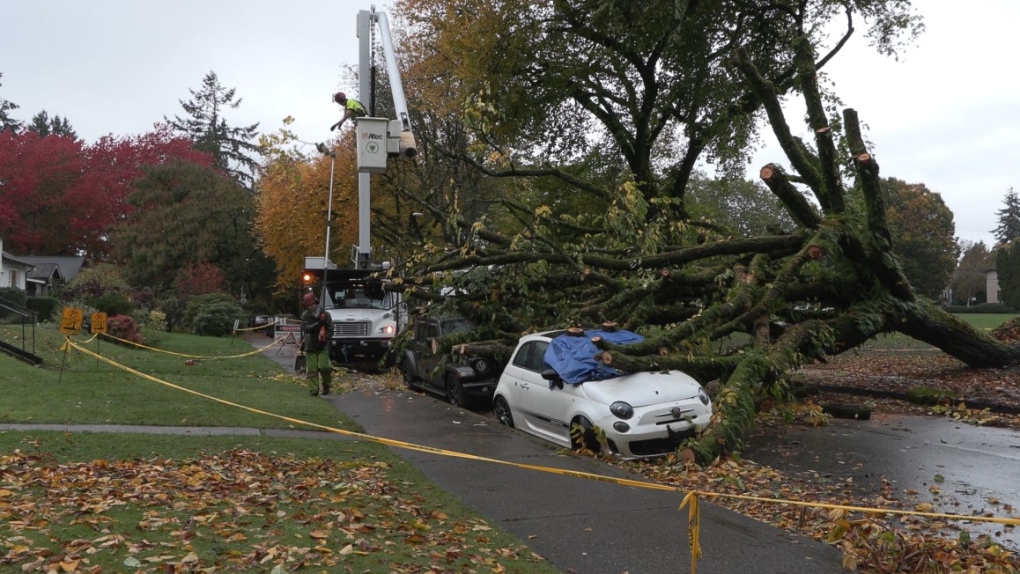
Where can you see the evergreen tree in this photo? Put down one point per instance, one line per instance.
(207, 128)
(6, 121)
(1007, 265)
(1009, 218)
(44, 125)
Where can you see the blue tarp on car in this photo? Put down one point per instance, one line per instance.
(573, 356)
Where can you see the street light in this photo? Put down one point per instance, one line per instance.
(329, 220)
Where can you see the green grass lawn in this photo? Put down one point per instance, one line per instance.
(91, 502)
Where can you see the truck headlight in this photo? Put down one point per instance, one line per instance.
(387, 329)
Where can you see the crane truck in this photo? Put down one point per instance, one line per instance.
(366, 316)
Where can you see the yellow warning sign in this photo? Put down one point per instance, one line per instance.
(70, 320)
(98, 323)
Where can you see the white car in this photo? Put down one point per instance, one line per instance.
(642, 414)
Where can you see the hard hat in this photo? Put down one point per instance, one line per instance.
(309, 299)
(339, 97)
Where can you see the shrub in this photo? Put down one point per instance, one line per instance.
(156, 321)
(112, 304)
(46, 308)
(13, 295)
(124, 327)
(982, 308)
(213, 314)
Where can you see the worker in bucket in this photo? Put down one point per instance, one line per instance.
(317, 327)
(352, 109)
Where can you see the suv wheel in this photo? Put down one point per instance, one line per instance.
(405, 371)
(455, 391)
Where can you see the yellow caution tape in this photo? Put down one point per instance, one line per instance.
(187, 356)
(690, 499)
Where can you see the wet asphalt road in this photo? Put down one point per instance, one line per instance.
(973, 470)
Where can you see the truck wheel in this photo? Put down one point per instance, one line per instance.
(455, 391)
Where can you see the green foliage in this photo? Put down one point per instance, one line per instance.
(155, 321)
(46, 308)
(205, 125)
(1008, 227)
(929, 396)
(44, 125)
(13, 295)
(745, 206)
(187, 217)
(94, 282)
(6, 107)
(968, 281)
(213, 314)
(1007, 266)
(982, 308)
(112, 304)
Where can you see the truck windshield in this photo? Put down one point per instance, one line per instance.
(359, 298)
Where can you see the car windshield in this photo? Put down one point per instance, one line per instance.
(457, 326)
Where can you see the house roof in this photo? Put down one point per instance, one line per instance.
(19, 260)
(69, 266)
(45, 271)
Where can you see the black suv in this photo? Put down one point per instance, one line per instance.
(459, 378)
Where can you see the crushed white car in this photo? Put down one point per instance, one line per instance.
(642, 415)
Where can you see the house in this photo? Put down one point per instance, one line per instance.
(50, 272)
(13, 270)
(992, 286)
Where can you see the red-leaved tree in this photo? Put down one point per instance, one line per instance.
(59, 196)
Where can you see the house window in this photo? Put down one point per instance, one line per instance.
(14, 278)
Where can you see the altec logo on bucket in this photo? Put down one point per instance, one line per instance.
(371, 136)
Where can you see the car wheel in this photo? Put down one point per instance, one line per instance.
(455, 391)
(503, 413)
(406, 374)
(587, 440)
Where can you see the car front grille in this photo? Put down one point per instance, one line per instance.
(352, 329)
(656, 446)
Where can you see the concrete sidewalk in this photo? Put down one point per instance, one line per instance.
(581, 526)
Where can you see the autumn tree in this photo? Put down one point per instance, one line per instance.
(1008, 227)
(205, 124)
(61, 196)
(44, 125)
(653, 88)
(922, 232)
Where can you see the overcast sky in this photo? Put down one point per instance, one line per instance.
(946, 115)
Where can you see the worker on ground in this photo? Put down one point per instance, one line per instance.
(352, 109)
(316, 328)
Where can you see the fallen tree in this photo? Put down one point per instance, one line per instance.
(605, 232)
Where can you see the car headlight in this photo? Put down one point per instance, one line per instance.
(704, 397)
(480, 365)
(621, 410)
